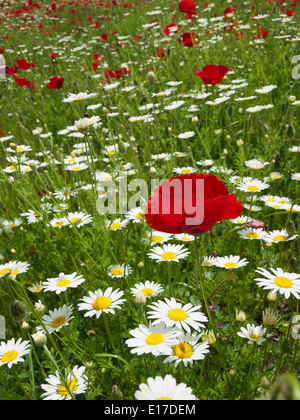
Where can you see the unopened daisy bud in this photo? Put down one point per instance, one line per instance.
(270, 318)
(195, 119)
(141, 265)
(232, 372)
(13, 251)
(169, 129)
(151, 77)
(103, 370)
(268, 244)
(240, 316)
(105, 110)
(292, 99)
(105, 130)
(132, 139)
(272, 297)
(89, 365)
(225, 152)
(25, 326)
(152, 170)
(12, 145)
(1, 258)
(140, 299)
(240, 143)
(116, 394)
(39, 338)
(209, 337)
(40, 308)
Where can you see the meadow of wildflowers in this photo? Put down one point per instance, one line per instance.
(149, 179)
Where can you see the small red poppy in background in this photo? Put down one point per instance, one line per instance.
(189, 39)
(24, 65)
(170, 210)
(55, 83)
(171, 29)
(22, 81)
(211, 74)
(160, 52)
(188, 6)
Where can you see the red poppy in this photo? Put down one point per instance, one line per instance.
(171, 29)
(211, 74)
(187, 6)
(22, 81)
(55, 83)
(178, 201)
(23, 65)
(160, 52)
(189, 39)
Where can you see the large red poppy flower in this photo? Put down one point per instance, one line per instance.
(24, 65)
(177, 201)
(211, 74)
(55, 83)
(187, 6)
(22, 81)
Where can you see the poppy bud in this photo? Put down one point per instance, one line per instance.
(265, 383)
(151, 77)
(290, 131)
(230, 111)
(116, 394)
(18, 311)
(291, 228)
(122, 148)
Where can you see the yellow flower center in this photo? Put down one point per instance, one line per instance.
(5, 271)
(252, 235)
(58, 224)
(283, 282)
(183, 351)
(61, 390)
(9, 357)
(117, 271)
(279, 238)
(254, 337)
(75, 219)
(157, 239)
(12, 168)
(230, 265)
(185, 239)
(169, 256)
(76, 168)
(19, 149)
(185, 171)
(12, 225)
(154, 339)
(139, 216)
(164, 398)
(177, 315)
(101, 303)
(207, 263)
(111, 153)
(14, 273)
(252, 188)
(63, 283)
(148, 292)
(115, 226)
(58, 322)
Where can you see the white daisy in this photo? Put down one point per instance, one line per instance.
(164, 389)
(13, 351)
(175, 314)
(63, 282)
(187, 350)
(13, 268)
(231, 262)
(252, 233)
(149, 289)
(277, 236)
(57, 319)
(55, 390)
(280, 281)
(254, 334)
(119, 271)
(169, 253)
(252, 186)
(156, 339)
(99, 301)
